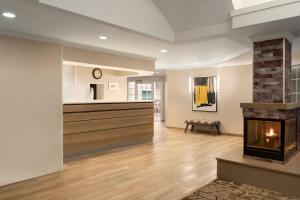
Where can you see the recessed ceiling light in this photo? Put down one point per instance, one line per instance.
(8, 15)
(163, 50)
(102, 37)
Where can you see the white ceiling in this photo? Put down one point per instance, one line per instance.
(138, 15)
(206, 45)
(245, 59)
(201, 54)
(184, 15)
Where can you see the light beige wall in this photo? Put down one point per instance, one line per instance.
(235, 87)
(30, 109)
(107, 59)
(296, 58)
(83, 78)
(68, 83)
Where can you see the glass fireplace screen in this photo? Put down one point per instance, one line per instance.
(267, 134)
(290, 134)
(264, 134)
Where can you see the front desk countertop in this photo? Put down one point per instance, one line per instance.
(104, 102)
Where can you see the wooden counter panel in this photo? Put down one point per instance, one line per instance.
(77, 144)
(106, 106)
(90, 128)
(105, 134)
(102, 124)
(72, 117)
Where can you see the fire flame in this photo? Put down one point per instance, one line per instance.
(271, 133)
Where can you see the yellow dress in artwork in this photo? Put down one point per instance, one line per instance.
(201, 95)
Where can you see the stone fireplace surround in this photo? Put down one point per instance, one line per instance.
(274, 111)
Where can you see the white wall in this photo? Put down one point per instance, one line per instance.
(30, 109)
(235, 87)
(78, 87)
(68, 83)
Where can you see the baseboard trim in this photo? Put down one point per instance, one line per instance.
(222, 133)
(232, 134)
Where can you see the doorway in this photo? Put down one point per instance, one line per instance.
(145, 88)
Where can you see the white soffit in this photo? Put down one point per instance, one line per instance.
(138, 15)
(238, 4)
(121, 69)
(266, 12)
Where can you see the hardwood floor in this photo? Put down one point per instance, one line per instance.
(172, 167)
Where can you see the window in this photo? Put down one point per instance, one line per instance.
(147, 89)
(296, 84)
(131, 91)
(157, 90)
(144, 91)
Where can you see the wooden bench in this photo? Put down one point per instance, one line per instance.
(213, 125)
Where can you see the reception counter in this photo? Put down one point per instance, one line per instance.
(91, 127)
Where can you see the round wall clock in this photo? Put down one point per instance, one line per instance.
(97, 73)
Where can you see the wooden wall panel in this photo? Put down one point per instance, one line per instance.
(94, 127)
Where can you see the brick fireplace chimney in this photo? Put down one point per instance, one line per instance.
(272, 71)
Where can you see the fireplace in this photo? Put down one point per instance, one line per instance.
(271, 121)
(273, 139)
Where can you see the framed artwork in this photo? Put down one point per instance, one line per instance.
(205, 94)
(113, 86)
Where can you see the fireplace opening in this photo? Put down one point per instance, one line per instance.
(273, 139)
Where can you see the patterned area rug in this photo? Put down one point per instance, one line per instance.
(223, 190)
